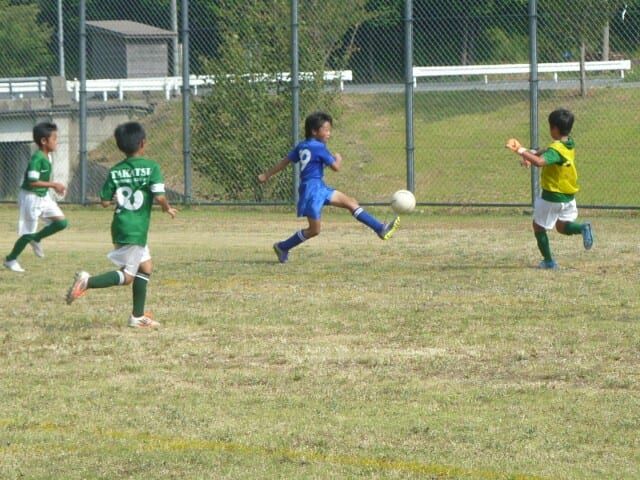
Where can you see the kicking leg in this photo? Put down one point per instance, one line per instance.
(384, 231)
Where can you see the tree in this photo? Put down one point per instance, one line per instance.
(581, 25)
(244, 125)
(24, 41)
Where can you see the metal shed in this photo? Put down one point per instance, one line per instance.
(126, 49)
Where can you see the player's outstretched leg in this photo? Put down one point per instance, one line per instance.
(384, 231)
(389, 228)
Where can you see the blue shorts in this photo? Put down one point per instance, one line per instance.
(314, 195)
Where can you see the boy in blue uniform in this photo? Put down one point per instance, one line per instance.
(312, 155)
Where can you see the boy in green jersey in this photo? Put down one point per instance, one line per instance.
(556, 207)
(133, 185)
(34, 199)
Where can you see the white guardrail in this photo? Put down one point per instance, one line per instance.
(521, 68)
(17, 87)
(170, 85)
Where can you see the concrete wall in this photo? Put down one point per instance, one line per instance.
(145, 59)
(16, 127)
(107, 55)
(13, 163)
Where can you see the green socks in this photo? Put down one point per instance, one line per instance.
(20, 245)
(139, 293)
(23, 241)
(53, 227)
(109, 279)
(112, 279)
(543, 245)
(573, 228)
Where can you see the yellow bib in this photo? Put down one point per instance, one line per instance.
(561, 177)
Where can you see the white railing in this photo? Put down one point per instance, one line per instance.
(521, 68)
(172, 85)
(17, 87)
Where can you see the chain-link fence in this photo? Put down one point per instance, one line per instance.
(470, 89)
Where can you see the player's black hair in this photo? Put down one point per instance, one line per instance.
(43, 130)
(315, 121)
(563, 120)
(129, 137)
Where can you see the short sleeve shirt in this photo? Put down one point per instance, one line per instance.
(553, 157)
(313, 156)
(132, 184)
(38, 170)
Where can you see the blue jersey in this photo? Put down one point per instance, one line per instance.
(313, 155)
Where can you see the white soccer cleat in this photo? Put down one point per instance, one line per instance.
(145, 321)
(78, 287)
(37, 248)
(13, 265)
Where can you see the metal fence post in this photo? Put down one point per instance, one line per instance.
(175, 61)
(533, 93)
(295, 92)
(60, 41)
(408, 93)
(186, 106)
(83, 102)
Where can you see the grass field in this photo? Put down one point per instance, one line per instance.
(440, 354)
(459, 139)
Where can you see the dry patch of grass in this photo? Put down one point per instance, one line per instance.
(439, 354)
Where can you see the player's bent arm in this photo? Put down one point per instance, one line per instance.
(337, 165)
(277, 168)
(57, 186)
(164, 203)
(105, 203)
(533, 159)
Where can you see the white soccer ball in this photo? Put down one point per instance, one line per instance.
(403, 201)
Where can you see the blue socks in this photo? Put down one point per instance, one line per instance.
(359, 214)
(293, 241)
(369, 220)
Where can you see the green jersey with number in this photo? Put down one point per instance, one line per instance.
(132, 184)
(38, 170)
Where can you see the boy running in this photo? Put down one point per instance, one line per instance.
(313, 155)
(556, 206)
(132, 184)
(35, 200)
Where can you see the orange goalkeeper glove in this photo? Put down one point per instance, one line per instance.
(515, 146)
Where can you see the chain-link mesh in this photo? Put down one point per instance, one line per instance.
(463, 115)
(352, 64)
(605, 102)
